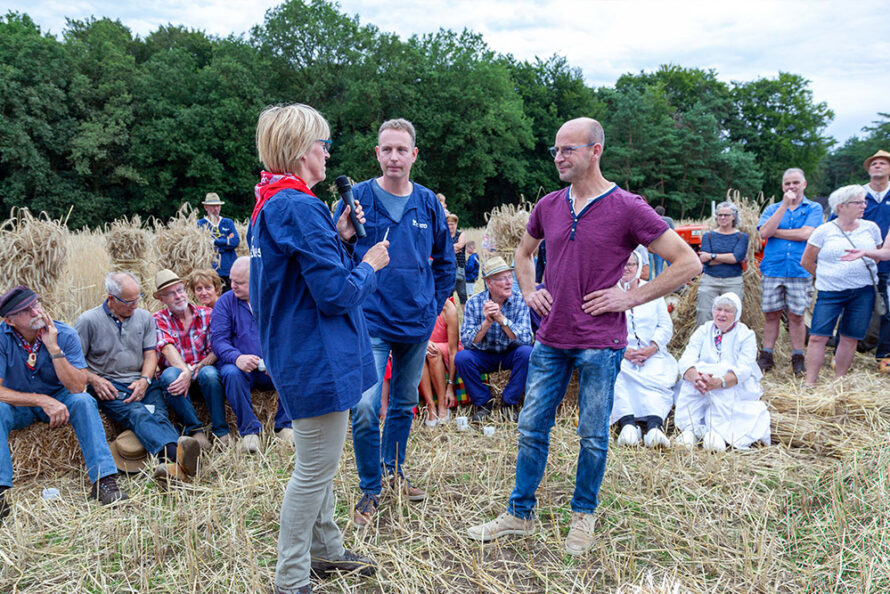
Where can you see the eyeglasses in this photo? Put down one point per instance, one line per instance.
(33, 308)
(326, 145)
(856, 202)
(724, 215)
(566, 150)
(129, 302)
(631, 265)
(171, 292)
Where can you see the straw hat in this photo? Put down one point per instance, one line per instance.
(877, 155)
(128, 453)
(212, 199)
(493, 266)
(164, 279)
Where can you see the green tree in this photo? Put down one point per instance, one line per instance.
(844, 165)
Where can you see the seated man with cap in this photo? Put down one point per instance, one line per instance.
(496, 334)
(235, 339)
(118, 340)
(225, 236)
(184, 344)
(42, 379)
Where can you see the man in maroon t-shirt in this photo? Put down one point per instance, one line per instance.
(591, 228)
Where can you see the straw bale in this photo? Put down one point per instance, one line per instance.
(33, 252)
(182, 245)
(129, 244)
(242, 249)
(506, 226)
(752, 315)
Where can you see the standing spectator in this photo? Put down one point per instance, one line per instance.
(591, 228)
(118, 340)
(401, 312)
(472, 268)
(722, 252)
(459, 241)
(306, 289)
(496, 334)
(786, 285)
(235, 339)
(658, 261)
(846, 289)
(184, 345)
(877, 210)
(42, 379)
(205, 285)
(225, 236)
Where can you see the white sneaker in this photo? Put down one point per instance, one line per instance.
(713, 442)
(504, 525)
(655, 438)
(581, 537)
(251, 443)
(686, 439)
(629, 436)
(286, 435)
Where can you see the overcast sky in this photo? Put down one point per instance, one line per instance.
(843, 48)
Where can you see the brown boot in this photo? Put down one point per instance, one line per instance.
(170, 473)
(798, 365)
(187, 451)
(765, 361)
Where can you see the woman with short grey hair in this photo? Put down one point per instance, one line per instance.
(722, 252)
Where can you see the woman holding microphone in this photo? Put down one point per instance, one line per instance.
(306, 289)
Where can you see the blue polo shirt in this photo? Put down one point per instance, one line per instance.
(42, 379)
(781, 257)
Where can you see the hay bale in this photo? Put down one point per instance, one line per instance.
(505, 228)
(182, 245)
(752, 316)
(33, 252)
(129, 244)
(242, 249)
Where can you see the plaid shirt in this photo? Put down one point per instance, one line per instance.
(496, 340)
(192, 343)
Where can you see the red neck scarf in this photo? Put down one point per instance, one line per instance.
(272, 183)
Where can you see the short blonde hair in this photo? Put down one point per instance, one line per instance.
(284, 133)
(204, 276)
(399, 124)
(452, 217)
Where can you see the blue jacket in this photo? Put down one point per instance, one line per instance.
(879, 213)
(472, 268)
(222, 243)
(306, 289)
(233, 329)
(412, 289)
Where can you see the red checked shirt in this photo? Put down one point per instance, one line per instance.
(193, 343)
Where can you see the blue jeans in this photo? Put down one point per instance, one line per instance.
(853, 306)
(153, 429)
(549, 371)
(210, 387)
(237, 386)
(471, 363)
(83, 415)
(370, 450)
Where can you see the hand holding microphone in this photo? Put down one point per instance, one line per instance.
(353, 210)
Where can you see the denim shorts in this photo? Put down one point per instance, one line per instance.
(853, 306)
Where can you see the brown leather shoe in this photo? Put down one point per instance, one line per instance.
(798, 364)
(765, 361)
(408, 490)
(363, 514)
(202, 439)
(187, 452)
(106, 491)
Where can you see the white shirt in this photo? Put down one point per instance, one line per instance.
(878, 196)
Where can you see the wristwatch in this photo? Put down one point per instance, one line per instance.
(722, 382)
(59, 355)
(713, 256)
(146, 378)
(504, 321)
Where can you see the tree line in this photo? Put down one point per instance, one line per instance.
(118, 125)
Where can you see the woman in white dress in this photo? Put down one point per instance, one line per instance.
(718, 399)
(644, 389)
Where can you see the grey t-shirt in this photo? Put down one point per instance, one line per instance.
(114, 349)
(833, 274)
(394, 205)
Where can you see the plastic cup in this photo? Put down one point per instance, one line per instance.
(50, 493)
(462, 423)
(488, 431)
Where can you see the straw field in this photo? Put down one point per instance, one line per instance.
(808, 514)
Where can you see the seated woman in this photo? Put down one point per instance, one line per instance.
(718, 399)
(440, 351)
(206, 286)
(644, 389)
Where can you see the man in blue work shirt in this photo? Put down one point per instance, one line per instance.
(877, 209)
(235, 338)
(225, 237)
(401, 313)
(42, 379)
(786, 285)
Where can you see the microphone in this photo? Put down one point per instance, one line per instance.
(345, 189)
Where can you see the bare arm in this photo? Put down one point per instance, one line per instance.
(808, 260)
(768, 229)
(524, 264)
(801, 234)
(74, 380)
(55, 410)
(461, 242)
(181, 384)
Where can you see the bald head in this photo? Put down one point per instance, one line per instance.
(589, 128)
(239, 276)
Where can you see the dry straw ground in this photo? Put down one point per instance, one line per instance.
(808, 514)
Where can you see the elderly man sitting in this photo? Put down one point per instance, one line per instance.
(496, 333)
(184, 344)
(236, 341)
(42, 379)
(718, 399)
(118, 340)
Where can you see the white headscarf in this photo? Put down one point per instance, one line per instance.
(624, 286)
(732, 298)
